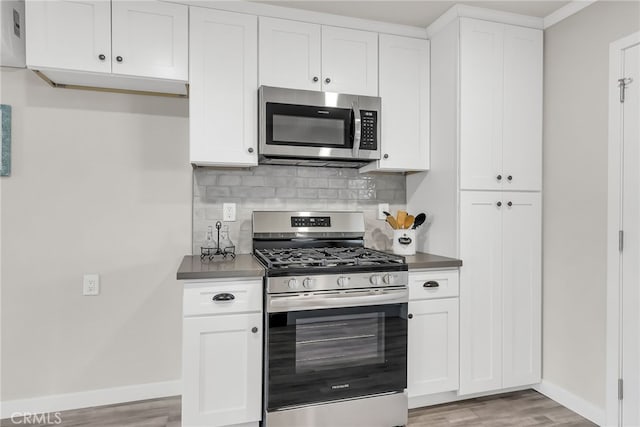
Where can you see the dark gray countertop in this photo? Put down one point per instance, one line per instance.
(424, 260)
(244, 265)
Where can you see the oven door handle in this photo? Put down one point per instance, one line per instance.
(315, 301)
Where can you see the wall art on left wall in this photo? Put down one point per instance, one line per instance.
(5, 165)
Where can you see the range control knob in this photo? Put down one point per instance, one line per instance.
(343, 281)
(308, 283)
(376, 279)
(293, 283)
(389, 279)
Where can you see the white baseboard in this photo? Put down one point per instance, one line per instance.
(577, 404)
(453, 396)
(85, 399)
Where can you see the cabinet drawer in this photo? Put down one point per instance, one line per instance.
(433, 284)
(222, 297)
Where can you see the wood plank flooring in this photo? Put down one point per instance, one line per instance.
(518, 409)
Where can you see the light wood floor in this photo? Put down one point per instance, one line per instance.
(519, 409)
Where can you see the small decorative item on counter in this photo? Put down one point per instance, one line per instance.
(404, 231)
(212, 247)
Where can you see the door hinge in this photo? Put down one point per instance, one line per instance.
(622, 84)
(620, 240)
(620, 389)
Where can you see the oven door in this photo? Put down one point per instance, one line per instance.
(321, 355)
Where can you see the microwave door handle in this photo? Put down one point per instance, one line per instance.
(357, 132)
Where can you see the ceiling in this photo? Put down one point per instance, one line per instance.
(418, 13)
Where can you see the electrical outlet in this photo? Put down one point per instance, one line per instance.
(228, 211)
(91, 284)
(382, 207)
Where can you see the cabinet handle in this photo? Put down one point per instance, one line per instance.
(250, 149)
(101, 57)
(327, 80)
(315, 79)
(223, 297)
(386, 156)
(509, 178)
(499, 204)
(119, 58)
(509, 204)
(410, 316)
(431, 284)
(499, 177)
(254, 329)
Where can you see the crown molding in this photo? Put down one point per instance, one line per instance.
(566, 11)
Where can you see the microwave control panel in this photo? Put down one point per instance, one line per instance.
(369, 135)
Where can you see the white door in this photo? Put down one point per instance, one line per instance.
(432, 350)
(630, 288)
(289, 54)
(222, 370)
(349, 61)
(481, 89)
(223, 92)
(522, 109)
(69, 35)
(480, 291)
(404, 89)
(150, 39)
(521, 289)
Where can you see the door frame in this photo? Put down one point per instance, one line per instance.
(614, 212)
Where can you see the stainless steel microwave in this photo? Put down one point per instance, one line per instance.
(302, 127)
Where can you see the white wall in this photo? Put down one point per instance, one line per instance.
(100, 183)
(575, 195)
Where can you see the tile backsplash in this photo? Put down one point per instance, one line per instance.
(270, 187)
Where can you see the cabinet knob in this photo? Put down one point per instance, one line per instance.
(499, 204)
(101, 57)
(499, 177)
(386, 156)
(327, 80)
(509, 204)
(250, 149)
(254, 329)
(315, 79)
(410, 316)
(509, 178)
(431, 284)
(119, 58)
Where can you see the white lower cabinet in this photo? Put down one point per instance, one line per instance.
(222, 354)
(432, 353)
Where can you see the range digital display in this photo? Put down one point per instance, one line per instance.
(311, 221)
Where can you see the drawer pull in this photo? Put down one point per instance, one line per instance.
(223, 297)
(431, 284)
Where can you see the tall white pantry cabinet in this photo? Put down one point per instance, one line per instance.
(483, 194)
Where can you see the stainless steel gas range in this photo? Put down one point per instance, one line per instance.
(335, 322)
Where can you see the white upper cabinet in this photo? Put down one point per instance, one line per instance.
(300, 55)
(69, 34)
(150, 39)
(289, 54)
(500, 106)
(349, 61)
(223, 98)
(404, 89)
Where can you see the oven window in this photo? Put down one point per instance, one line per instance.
(338, 342)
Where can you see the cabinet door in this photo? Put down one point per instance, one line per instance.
(223, 95)
(69, 35)
(480, 292)
(404, 89)
(432, 354)
(349, 61)
(481, 62)
(222, 370)
(521, 288)
(522, 124)
(289, 54)
(150, 39)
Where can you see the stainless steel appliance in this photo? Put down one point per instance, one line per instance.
(302, 127)
(335, 322)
